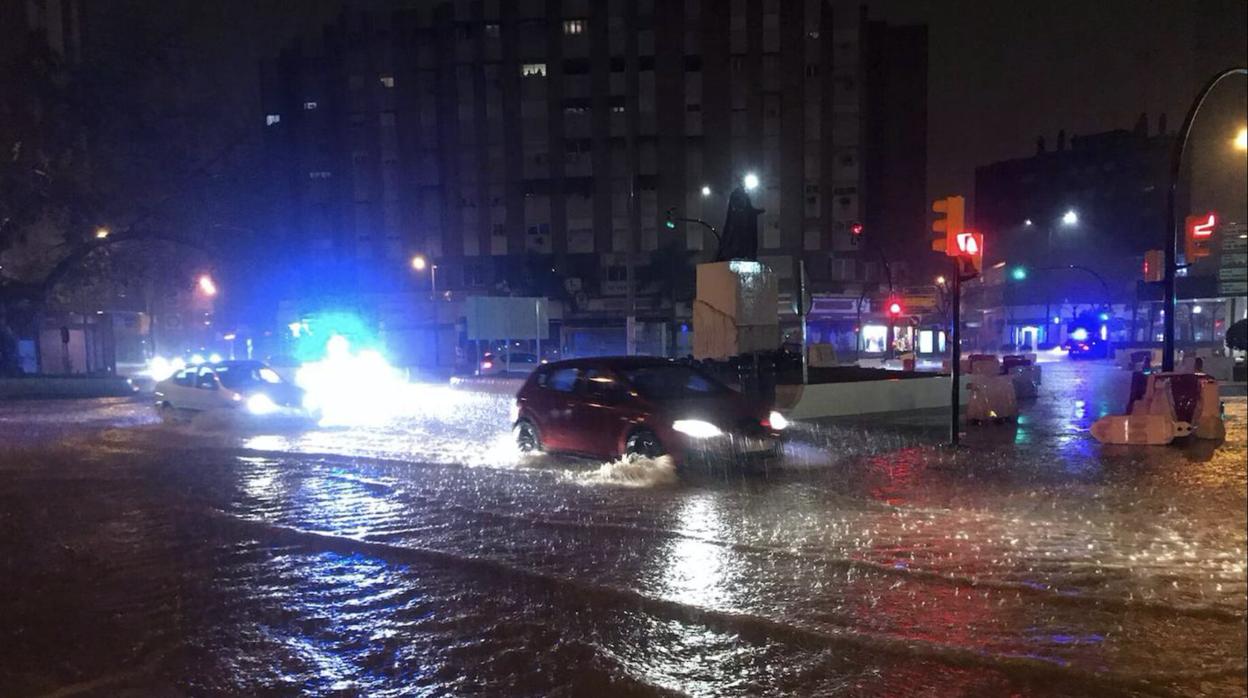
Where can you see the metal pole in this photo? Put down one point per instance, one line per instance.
(433, 281)
(537, 316)
(1172, 223)
(801, 307)
(956, 357)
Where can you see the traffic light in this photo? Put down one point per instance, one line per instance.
(953, 222)
(855, 232)
(969, 248)
(1154, 266)
(1198, 235)
(894, 308)
(1019, 273)
(669, 223)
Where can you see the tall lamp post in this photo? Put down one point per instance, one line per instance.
(1172, 222)
(419, 263)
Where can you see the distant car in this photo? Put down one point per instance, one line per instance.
(606, 407)
(516, 362)
(1087, 349)
(247, 385)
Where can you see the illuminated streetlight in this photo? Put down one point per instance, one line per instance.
(750, 181)
(1070, 217)
(1241, 139)
(206, 285)
(940, 281)
(101, 233)
(706, 191)
(419, 263)
(1027, 222)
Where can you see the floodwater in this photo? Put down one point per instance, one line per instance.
(422, 556)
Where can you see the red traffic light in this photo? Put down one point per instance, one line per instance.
(968, 243)
(894, 308)
(855, 229)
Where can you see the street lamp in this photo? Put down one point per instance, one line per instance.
(1070, 217)
(1241, 139)
(1027, 222)
(940, 281)
(419, 263)
(206, 285)
(1172, 221)
(101, 233)
(750, 181)
(706, 191)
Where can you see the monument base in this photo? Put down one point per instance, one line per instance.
(736, 310)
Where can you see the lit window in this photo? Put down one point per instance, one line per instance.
(387, 81)
(271, 119)
(492, 30)
(309, 106)
(573, 26)
(530, 70)
(319, 174)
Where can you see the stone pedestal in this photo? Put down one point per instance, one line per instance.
(736, 310)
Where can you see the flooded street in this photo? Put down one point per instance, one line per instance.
(423, 556)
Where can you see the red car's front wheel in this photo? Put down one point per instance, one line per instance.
(643, 442)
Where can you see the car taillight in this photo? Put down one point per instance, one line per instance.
(487, 364)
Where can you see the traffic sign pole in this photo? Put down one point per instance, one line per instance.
(956, 355)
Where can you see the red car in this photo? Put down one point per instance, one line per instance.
(605, 407)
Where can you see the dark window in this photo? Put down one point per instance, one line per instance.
(673, 382)
(617, 64)
(693, 63)
(207, 379)
(600, 383)
(575, 66)
(645, 63)
(185, 378)
(563, 380)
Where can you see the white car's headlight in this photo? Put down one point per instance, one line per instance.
(696, 428)
(261, 404)
(777, 421)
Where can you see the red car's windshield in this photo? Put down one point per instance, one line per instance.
(672, 382)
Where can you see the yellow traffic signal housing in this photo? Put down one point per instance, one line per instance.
(948, 226)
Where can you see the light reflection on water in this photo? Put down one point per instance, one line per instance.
(1033, 541)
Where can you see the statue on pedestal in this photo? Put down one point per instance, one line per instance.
(739, 238)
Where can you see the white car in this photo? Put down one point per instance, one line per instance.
(515, 363)
(248, 385)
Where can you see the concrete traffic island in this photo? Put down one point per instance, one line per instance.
(36, 387)
(850, 390)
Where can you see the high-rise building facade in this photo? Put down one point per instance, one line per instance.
(536, 146)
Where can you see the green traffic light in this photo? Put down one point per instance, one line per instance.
(1019, 273)
(671, 224)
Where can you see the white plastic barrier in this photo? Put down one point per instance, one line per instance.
(992, 398)
(1026, 380)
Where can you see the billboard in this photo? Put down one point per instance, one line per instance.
(492, 318)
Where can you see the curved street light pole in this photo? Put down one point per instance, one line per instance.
(1172, 223)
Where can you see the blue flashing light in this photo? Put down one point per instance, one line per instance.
(1104, 317)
